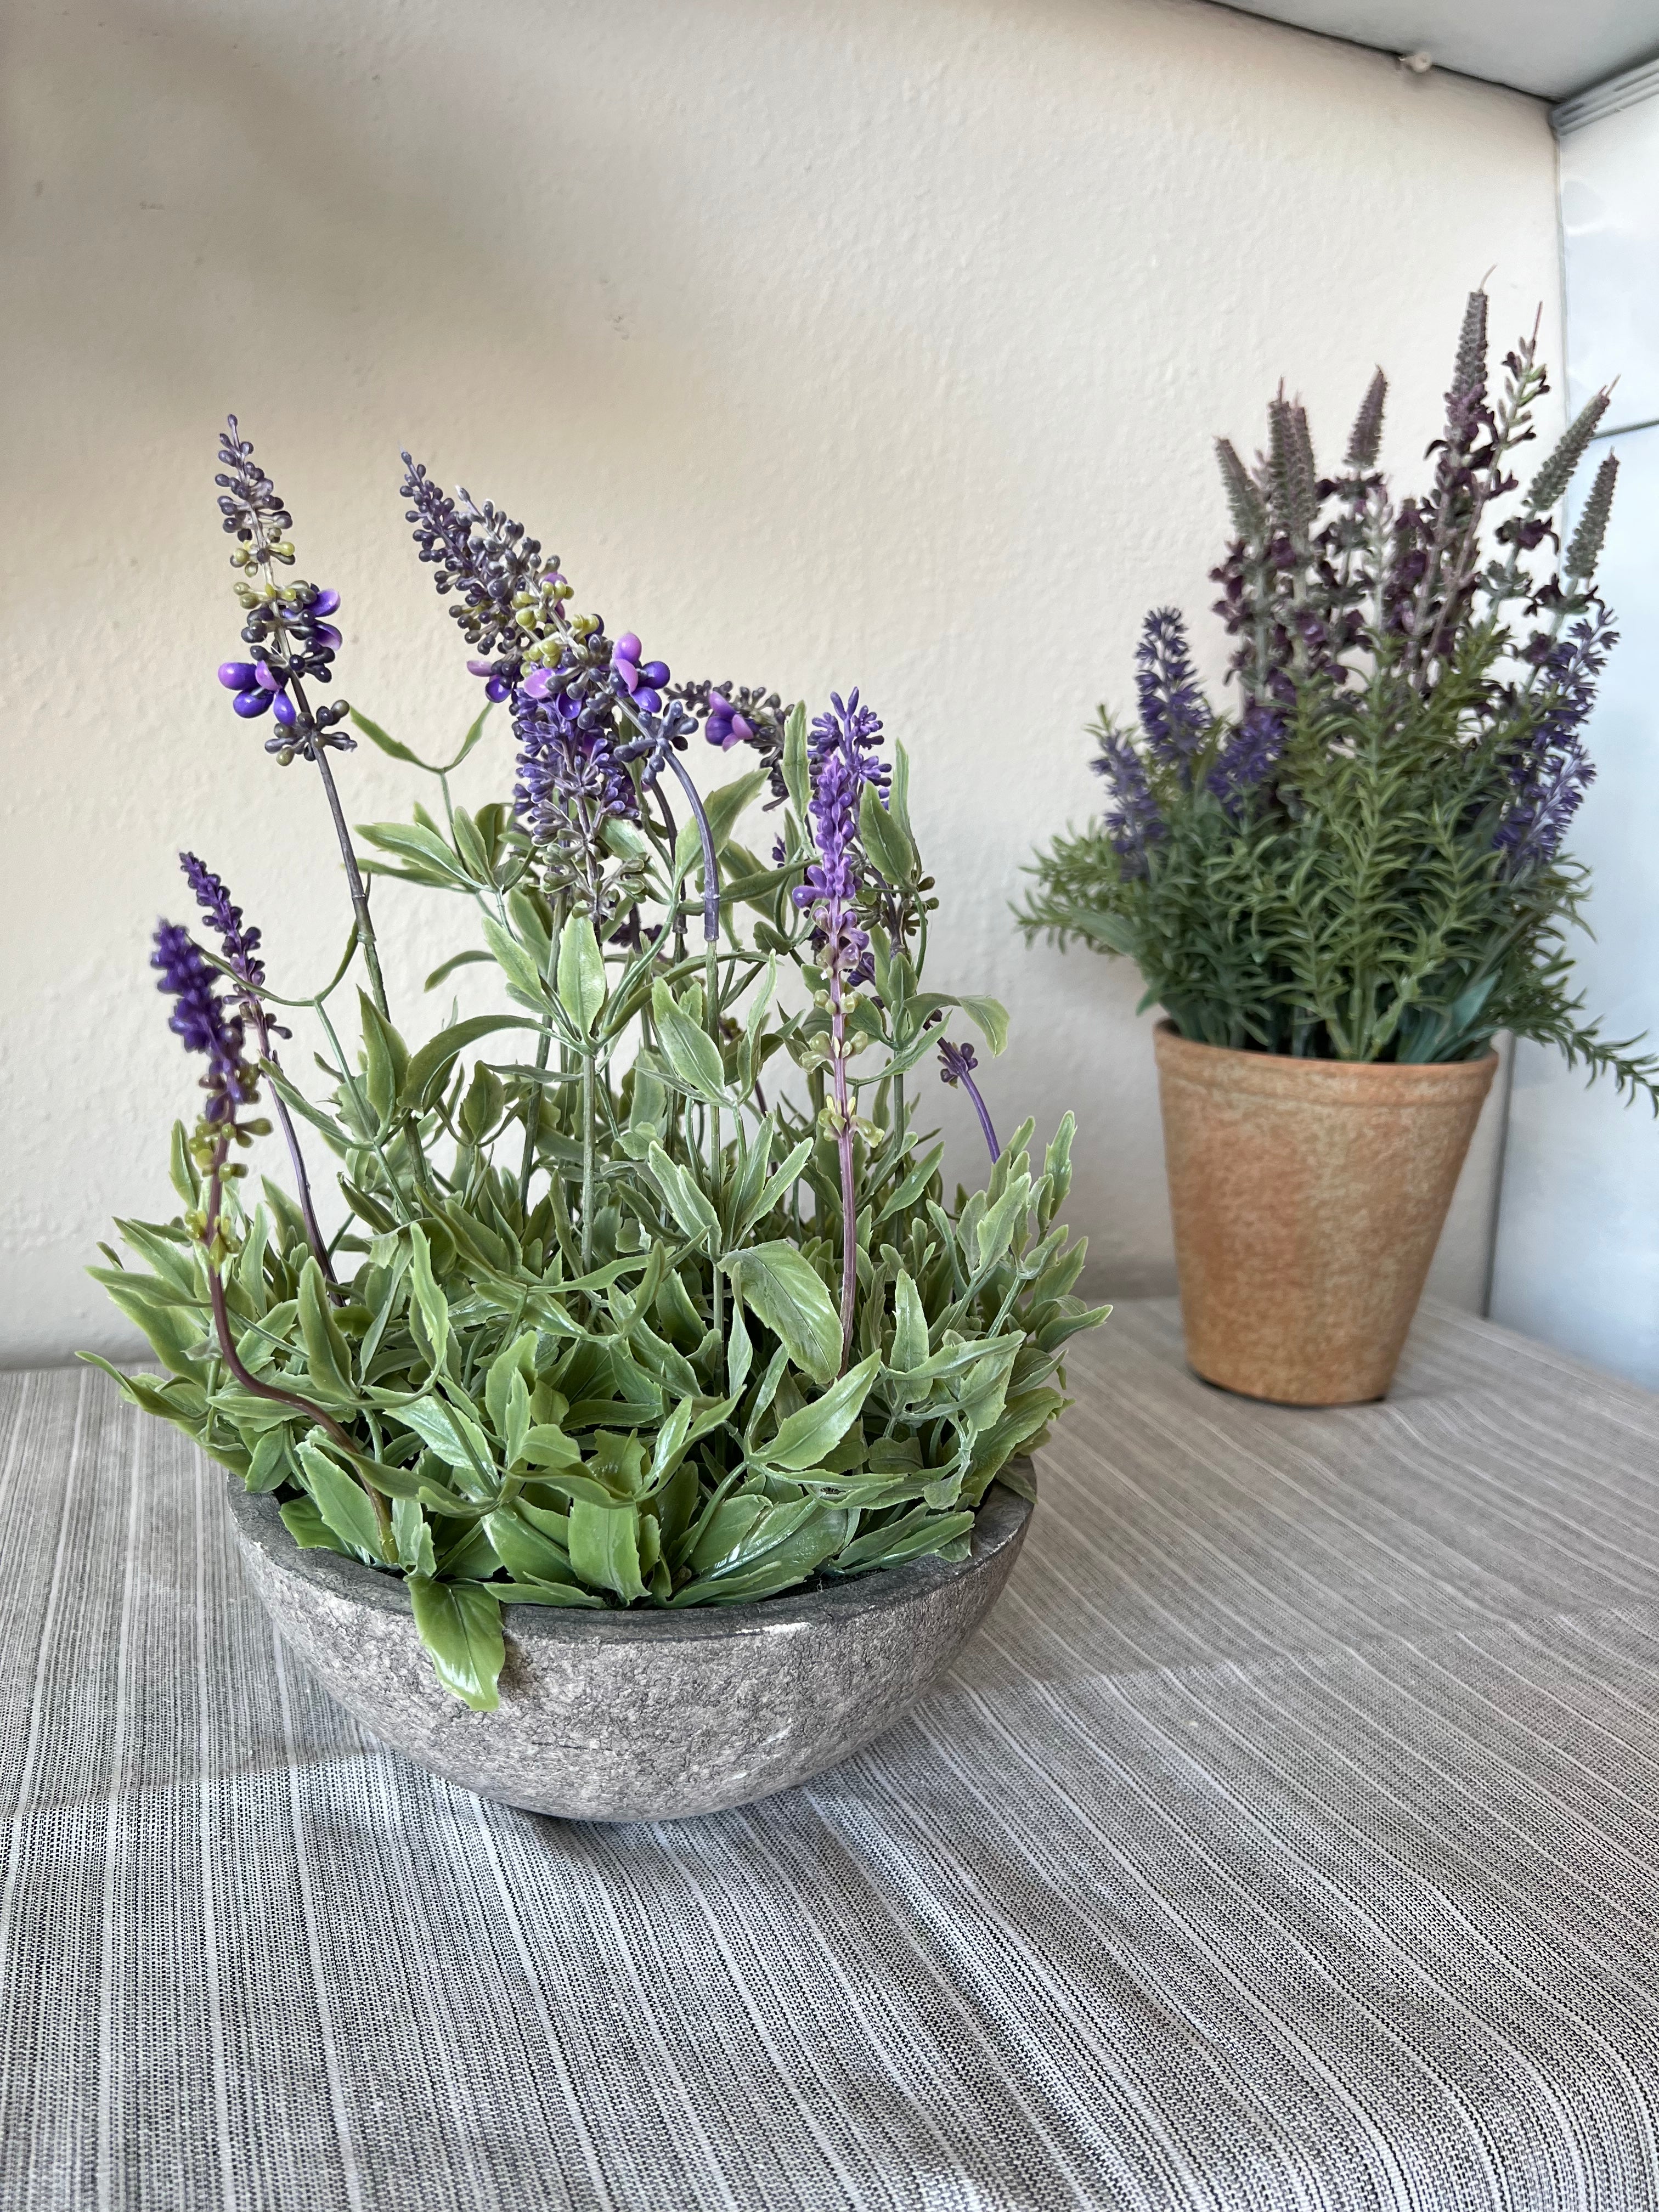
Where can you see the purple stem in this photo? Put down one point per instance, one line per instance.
(984, 1116)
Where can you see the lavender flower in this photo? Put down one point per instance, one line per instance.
(1133, 823)
(741, 715)
(1550, 770)
(726, 725)
(205, 1024)
(958, 1062)
(286, 625)
(486, 558)
(841, 756)
(239, 943)
(1247, 757)
(1174, 712)
(841, 749)
(642, 681)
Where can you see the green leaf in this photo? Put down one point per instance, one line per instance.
(604, 1548)
(688, 1203)
(523, 978)
(460, 1624)
(779, 1546)
(377, 736)
(473, 734)
(910, 1327)
(992, 1017)
(308, 1529)
(413, 841)
(724, 808)
(693, 1058)
(527, 1555)
(457, 1439)
(779, 1285)
(581, 974)
(327, 1353)
(803, 1440)
(739, 1352)
(182, 1169)
(895, 856)
(997, 1228)
(797, 776)
(341, 1500)
(412, 1536)
(548, 1447)
(430, 1302)
(428, 1070)
(543, 1593)
(386, 1058)
(919, 1174)
(517, 1358)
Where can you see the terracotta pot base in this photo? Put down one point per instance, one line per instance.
(1307, 1197)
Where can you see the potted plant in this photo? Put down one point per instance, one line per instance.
(1343, 887)
(650, 1430)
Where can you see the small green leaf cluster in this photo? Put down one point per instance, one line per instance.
(577, 1342)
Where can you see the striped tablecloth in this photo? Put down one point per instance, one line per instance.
(1289, 1839)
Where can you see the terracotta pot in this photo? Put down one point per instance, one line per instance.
(1308, 1196)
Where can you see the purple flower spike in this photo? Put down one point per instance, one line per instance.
(958, 1064)
(240, 944)
(237, 675)
(204, 1022)
(1174, 712)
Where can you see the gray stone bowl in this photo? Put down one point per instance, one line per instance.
(642, 1715)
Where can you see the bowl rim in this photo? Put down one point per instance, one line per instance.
(1001, 1520)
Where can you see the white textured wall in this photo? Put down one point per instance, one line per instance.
(829, 344)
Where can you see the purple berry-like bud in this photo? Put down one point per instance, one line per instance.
(628, 646)
(329, 635)
(497, 689)
(655, 672)
(284, 709)
(269, 679)
(250, 703)
(481, 668)
(237, 675)
(326, 601)
(648, 702)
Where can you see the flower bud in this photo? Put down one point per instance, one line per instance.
(237, 675)
(247, 704)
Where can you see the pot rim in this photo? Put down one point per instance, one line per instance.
(1276, 1067)
(1000, 1521)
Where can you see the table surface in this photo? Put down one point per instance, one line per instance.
(1288, 1838)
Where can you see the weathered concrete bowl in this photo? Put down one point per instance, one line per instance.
(642, 1715)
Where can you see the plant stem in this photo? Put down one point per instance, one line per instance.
(980, 1108)
(844, 1118)
(315, 1237)
(249, 1382)
(587, 1162)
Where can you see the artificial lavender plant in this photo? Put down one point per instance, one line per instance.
(641, 1286)
(1360, 857)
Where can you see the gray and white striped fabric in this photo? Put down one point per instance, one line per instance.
(1289, 1839)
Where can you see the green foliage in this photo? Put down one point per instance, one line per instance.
(1372, 919)
(583, 1347)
